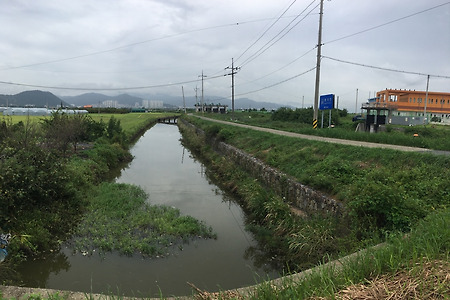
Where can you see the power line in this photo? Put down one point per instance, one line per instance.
(387, 23)
(96, 89)
(285, 66)
(134, 44)
(385, 69)
(278, 83)
(272, 41)
(128, 45)
(273, 24)
(104, 89)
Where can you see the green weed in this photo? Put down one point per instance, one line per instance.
(119, 219)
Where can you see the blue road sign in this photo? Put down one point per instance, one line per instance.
(326, 102)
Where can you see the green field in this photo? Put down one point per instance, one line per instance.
(129, 122)
(132, 121)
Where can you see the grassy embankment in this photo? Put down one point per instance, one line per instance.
(50, 195)
(429, 136)
(386, 192)
(131, 123)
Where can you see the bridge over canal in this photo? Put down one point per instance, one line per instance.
(169, 119)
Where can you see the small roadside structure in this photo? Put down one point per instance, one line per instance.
(211, 108)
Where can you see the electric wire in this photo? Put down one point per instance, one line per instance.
(105, 89)
(278, 83)
(386, 69)
(272, 42)
(126, 46)
(285, 66)
(133, 44)
(264, 33)
(251, 58)
(387, 23)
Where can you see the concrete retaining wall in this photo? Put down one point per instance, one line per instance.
(298, 195)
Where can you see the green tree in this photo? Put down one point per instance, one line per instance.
(114, 131)
(63, 130)
(37, 196)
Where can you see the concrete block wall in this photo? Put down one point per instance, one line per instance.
(296, 194)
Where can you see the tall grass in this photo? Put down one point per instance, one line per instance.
(130, 123)
(427, 242)
(385, 192)
(383, 188)
(430, 136)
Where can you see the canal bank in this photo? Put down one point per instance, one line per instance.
(278, 281)
(301, 197)
(172, 177)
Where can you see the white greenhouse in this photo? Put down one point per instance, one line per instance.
(33, 111)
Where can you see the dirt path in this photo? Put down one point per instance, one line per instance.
(331, 140)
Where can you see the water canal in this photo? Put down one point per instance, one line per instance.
(171, 176)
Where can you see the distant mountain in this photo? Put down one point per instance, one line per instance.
(239, 103)
(32, 99)
(168, 100)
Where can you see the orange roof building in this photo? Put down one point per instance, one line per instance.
(412, 103)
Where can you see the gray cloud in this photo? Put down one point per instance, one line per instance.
(129, 43)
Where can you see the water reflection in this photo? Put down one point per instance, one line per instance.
(42, 267)
(171, 176)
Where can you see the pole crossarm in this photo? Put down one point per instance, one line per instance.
(202, 76)
(233, 72)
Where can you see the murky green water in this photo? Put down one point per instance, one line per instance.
(171, 176)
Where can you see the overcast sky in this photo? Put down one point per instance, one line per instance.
(160, 45)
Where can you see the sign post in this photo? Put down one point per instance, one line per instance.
(326, 102)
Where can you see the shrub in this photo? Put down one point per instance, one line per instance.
(383, 206)
(36, 195)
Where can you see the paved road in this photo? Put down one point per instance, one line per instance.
(333, 140)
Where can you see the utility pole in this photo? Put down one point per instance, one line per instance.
(319, 54)
(202, 76)
(184, 102)
(426, 101)
(196, 97)
(233, 71)
(303, 101)
(356, 105)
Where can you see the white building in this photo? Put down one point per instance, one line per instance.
(152, 104)
(110, 103)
